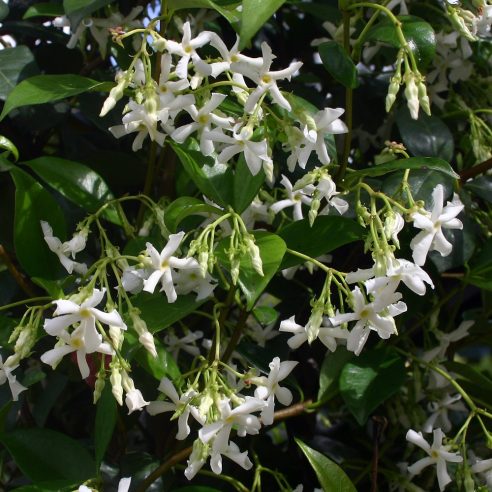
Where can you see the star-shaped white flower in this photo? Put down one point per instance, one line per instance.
(294, 199)
(438, 455)
(6, 376)
(431, 237)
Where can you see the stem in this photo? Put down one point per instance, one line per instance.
(311, 260)
(236, 335)
(25, 301)
(21, 280)
(149, 179)
(475, 170)
(292, 411)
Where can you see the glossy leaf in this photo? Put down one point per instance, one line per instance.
(329, 232)
(369, 380)
(254, 14)
(480, 273)
(213, 179)
(4, 10)
(44, 9)
(230, 14)
(481, 187)
(246, 186)
(418, 33)
(76, 10)
(106, 414)
(185, 206)
(331, 368)
(9, 146)
(49, 457)
(76, 182)
(418, 163)
(272, 249)
(338, 64)
(33, 204)
(49, 88)
(428, 136)
(15, 64)
(159, 314)
(331, 477)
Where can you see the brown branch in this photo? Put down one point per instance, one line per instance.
(235, 337)
(22, 281)
(475, 170)
(292, 411)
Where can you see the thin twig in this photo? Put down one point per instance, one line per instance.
(22, 281)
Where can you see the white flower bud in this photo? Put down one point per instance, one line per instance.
(424, 98)
(203, 261)
(254, 254)
(98, 387)
(412, 95)
(116, 336)
(235, 265)
(147, 340)
(116, 387)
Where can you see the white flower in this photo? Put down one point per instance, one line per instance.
(294, 199)
(187, 51)
(7, 376)
(231, 56)
(266, 79)
(327, 189)
(192, 280)
(85, 339)
(393, 224)
(261, 335)
(440, 411)
(124, 484)
(180, 405)
(63, 250)
(376, 315)
(203, 119)
(186, 343)
(163, 263)
(268, 388)
(257, 211)
(484, 467)
(134, 400)
(431, 237)
(438, 455)
(254, 152)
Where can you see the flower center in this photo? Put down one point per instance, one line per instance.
(365, 313)
(165, 264)
(85, 313)
(266, 79)
(434, 454)
(188, 49)
(203, 119)
(77, 343)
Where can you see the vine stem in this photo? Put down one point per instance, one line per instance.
(25, 301)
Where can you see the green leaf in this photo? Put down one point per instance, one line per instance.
(106, 414)
(272, 249)
(4, 10)
(6, 144)
(428, 136)
(419, 35)
(331, 368)
(158, 367)
(185, 206)
(329, 232)
(213, 179)
(49, 88)
(159, 314)
(230, 14)
(419, 163)
(370, 380)
(481, 187)
(76, 10)
(49, 457)
(44, 9)
(15, 64)
(480, 273)
(76, 182)
(338, 64)
(468, 373)
(33, 204)
(254, 14)
(246, 186)
(331, 477)
(52, 287)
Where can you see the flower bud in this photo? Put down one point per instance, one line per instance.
(412, 95)
(203, 261)
(116, 387)
(147, 340)
(393, 89)
(313, 211)
(98, 386)
(235, 265)
(424, 98)
(254, 254)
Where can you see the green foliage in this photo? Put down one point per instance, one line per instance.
(15, 64)
(338, 64)
(106, 415)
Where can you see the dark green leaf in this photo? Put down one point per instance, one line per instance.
(52, 287)
(7, 145)
(321, 11)
(328, 233)
(185, 206)
(53, 387)
(230, 14)
(76, 182)
(15, 64)
(44, 9)
(428, 136)
(467, 372)
(260, 357)
(49, 457)
(370, 380)
(265, 315)
(480, 273)
(331, 477)
(33, 204)
(418, 33)
(482, 187)
(4, 10)
(331, 368)
(272, 249)
(196, 488)
(159, 314)
(76, 10)
(418, 163)
(213, 179)
(49, 88)
(104, 425)
(246, 186)
(338, 64)
(254, 14)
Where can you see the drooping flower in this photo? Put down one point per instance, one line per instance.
(438, 453)
(6, 376)
(431, 237)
